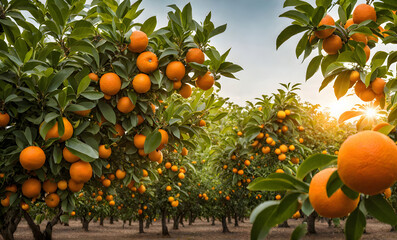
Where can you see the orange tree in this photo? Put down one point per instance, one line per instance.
(348, 43)
(79, 97)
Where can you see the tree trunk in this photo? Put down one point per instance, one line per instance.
(213, 221)
(86, 223)
(176, 222)
(10, 223)
(111, 219)
(311, 228)
(224, 225)
(101, 221)
(141, 224)
(208, 219)
(191, 218)
(235, 220)
(47, 234)
(164, 229)
(229, 219)
(181, 220)
(148, 222)
(284, 224)
(130, 221)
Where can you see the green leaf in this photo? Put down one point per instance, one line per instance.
(57, 155)
(287, 33)
(149, 25)
(59, 78)
(313, 66)
(297, 16)
(318, 14)
(288, 206)
(152, 141)
(326, 81)
(355, 225)
(64, 218)
(84, 151)
(349, 192)
(307, 207)
(283, 176)
(107, 112)
(85, 47)
(259, 217)
(378, 59)
(381, 209)
(217, 31)
(333, 184)
(342, 83)
(299, 232)
(265, 184)
(84, 83)
(314, 162)
(386, 129)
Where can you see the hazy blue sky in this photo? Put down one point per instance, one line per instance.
(253, 26)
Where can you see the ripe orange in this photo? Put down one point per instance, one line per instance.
(281, 115)
(140, 120)
(112, 203)
(139, 41)
(301, 140)
(279, 171)
(247, 163)
(206, 81)
(195, 55)
(367, 51)
(354, 76)
(278, 197)
(141, 152)
(338, 205)
(265, 150)
(348, 23)
(5, 202)
(68, 156)
(184, 151)
(93, 77)
(291, 147)
(11, 188)
(31, 188)
(168, 165)
(156, 156)
(52, 200)
(168, 188)
(83, 113)
(240, 172)
(120, 174)
(282, 157)
(119, 129)
(144, 173)
(185, 91)
(139, 141)
(80, 172)
(367, 162)
(32, 158)
(177, 84)
(141, 189)
(327, 20)
(367, 95)
(50, 186)
(141, 83)
(363, 12)
(387, 192)
(202, 123)
(106, 183)
(360, 37)
(68, 131)
(175, 71)
(62, 185)
(175, 203)
(174, 168)
(380, 125)
(332, 44)
(239, 133)
(98, 199)
(147, 62)
(181, 175)
(4, 119)
(260, 136)
(153, 108)
(104, 152)
(125, 105)
(378, 85)
(75, 186)
(164, 137)
(295, 160)
(110, 84)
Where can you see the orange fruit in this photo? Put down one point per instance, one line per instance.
(4, 119)
(175, 71)
(367, 95)
(282, 157)
(75, 186)
(367, 162)
(141, 152)
(378, 85)
(265, 150)
(31, 188)
(106, 183)
(50, 186)
(247, 163)
(104, 152)
(156, 156)
(141, 83)
(5, 202)
(354, 76)
(120, 174)
(295, 160)
(291, 147)
(144, 173)
(332, 44)
(279, 171)
(119, 129)
(260, 136)
(284, 129)
(139, 141)
(141, 189)
(240, 172)
(52, 200)
(68, 131)
(138, 41)
(338, 205)
(349, 22)
(327, 20)
(147, 62)
(110, 84)
(278, 197)
(206, 81)
(239, 133)
(125, 105)
(177, 84)
(140, 120)
(202, 123)
(83, 113)
(11, 188)
(281, 115)
(62, 185)
(184, 151)
(109, 198)
(80, 172)
(181, 175)
(164, 137)
(287, 112)
(367, 51)
(387, 192)
(195, 55)
(168, 188)
(174, 168)
(68, 156)
(380, 125)
(153, 108)
(283, 148)
(32, 158)
(98, 199)
(185, 91)
(107, 97)
(360, 37)
(363, 12)
(168, 165)
(111, 176)
(112, 203)
(93, 77)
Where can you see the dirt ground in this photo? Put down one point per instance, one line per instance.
(199, 230)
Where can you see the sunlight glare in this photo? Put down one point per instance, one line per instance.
(370, 112)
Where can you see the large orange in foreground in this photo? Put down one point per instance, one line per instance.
(32, 158)
(80, 172)
(110, 84)
(338, 205)
(367, 162)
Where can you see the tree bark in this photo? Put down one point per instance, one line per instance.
(111, 219)
(229, 219)
(47, 234)
(130, 221)
(86, 223)
(101, 221)
(164, 229)
(191, 218)
(10, 223)
(235, 219)
(311, 228)
(176, 222)
(181, 220)
(213, 221)
(148, 222)
(141, 224)
(224, 225)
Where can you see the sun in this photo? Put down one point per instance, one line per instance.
(371, 112)
(338, 107)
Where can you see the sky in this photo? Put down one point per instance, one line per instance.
(252, 30)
